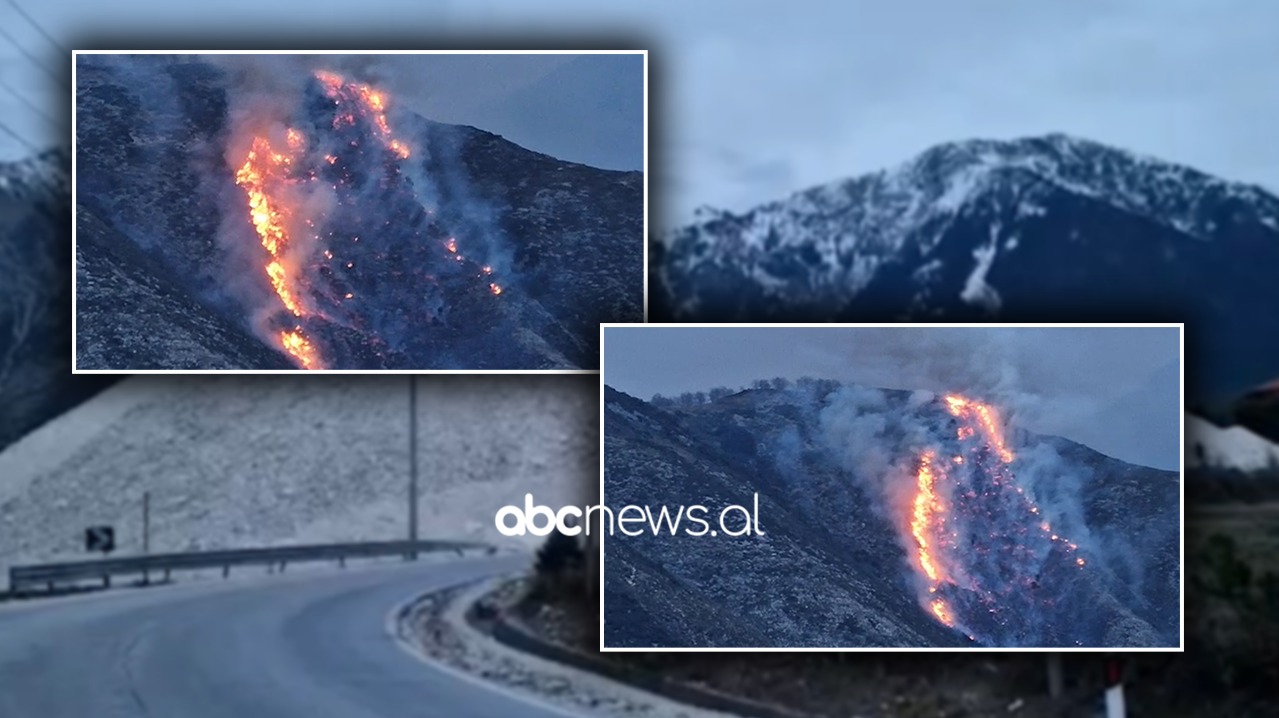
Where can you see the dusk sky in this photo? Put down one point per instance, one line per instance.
(1114, 389)
(759, 100)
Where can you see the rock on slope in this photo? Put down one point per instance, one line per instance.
(832, 569)
(253, 461)
(1050, 228)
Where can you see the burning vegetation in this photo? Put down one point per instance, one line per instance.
(310, 254)
(981, 543)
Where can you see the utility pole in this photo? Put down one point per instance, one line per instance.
(1056, 677)
(146, 522)
(413, 464)
(146, 533)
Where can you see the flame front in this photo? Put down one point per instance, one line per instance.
(322, 275)
(370, 102)
(264, 175)
(968, 494)
(928, 513)
(297, 345)
(927, 508)
(986, 418)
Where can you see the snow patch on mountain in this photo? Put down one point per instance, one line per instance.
(43, 449)
(976, 290)
(1234, 447)
(36, 178)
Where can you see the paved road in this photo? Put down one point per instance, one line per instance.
(309, 645)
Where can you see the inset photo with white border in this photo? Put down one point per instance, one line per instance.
(352, 212)
(910, 487)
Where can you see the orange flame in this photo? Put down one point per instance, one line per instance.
(986, 418)
(279, 280)
(928, 518)
(372, 103)
(263, 172)
(942, 611)
(927, 507)
(495, 289)
(297, 345)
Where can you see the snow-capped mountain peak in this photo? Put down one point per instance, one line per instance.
(1053, 227)
(36, 178)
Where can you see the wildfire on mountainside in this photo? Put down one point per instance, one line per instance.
(308, 270)
(972, 526)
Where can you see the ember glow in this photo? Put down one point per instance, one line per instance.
(987, 419)
(978, 540)
(357, 98)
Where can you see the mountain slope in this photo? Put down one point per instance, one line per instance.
(834, 469)
(1048, 228)
(35, 354)
(465, 251)
(255, 461)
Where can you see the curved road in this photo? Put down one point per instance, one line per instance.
(306, 645)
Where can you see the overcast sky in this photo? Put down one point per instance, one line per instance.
(761, 99)
(1115, 389)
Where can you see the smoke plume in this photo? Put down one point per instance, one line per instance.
(989, 518)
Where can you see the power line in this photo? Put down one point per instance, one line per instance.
(29, 104)
(28, 54)
(31, 21)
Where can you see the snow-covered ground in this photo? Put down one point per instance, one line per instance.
(1232, 448)
(254, 461)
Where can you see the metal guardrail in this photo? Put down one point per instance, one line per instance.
(24, 579)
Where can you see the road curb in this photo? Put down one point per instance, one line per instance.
(510, 631)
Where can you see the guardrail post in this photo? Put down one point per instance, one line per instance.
(226, 571)
(1056, 676)
(1114, 688)
(283, 565)
(106, 580)
(166, 575)
(341, 561)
